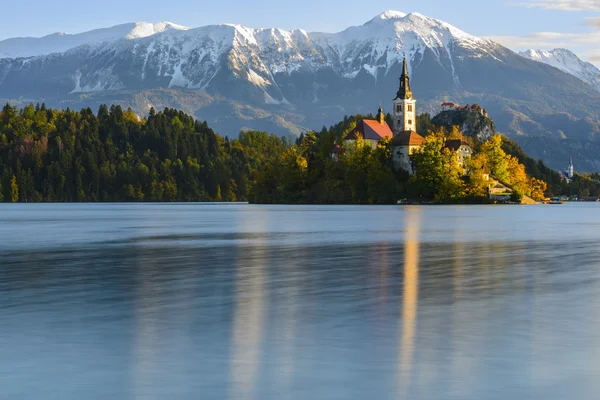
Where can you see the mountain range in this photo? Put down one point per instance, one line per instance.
(289, 81)
(567, 61)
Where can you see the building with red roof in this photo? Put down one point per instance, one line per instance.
(404, 138)
(372, 131)
(447, 105)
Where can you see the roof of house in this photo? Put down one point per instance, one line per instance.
(455, 144)
(448, 104)
(408, 138)
(370, 129)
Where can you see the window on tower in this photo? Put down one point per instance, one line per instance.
(409, 108)
(399, 108)
(410, 121)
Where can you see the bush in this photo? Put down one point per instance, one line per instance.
(516, 197)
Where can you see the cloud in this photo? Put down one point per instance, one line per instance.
(594, 57)
(593, 22)
(549, 39)
(585, 45)
(565, 5)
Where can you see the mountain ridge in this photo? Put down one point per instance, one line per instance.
(567, 61)
(290, 81)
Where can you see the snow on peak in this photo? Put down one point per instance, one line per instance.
(422, 25)
(145, 29)
(540, 55)
(61, 42)
(259, 54)
(568, 62)
(389, 14)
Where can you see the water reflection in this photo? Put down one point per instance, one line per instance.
(459, 369)
(146, 305)
(250, 307)
(410, 298)
(287, 315)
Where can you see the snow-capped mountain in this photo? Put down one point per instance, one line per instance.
(287, 81)
(145, 55)
(567, 61)
(61, 42)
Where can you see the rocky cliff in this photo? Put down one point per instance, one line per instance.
(472, 120)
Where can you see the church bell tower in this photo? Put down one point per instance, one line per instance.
(571, 170)
(405, 106)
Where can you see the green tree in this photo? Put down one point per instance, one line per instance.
(428, 162)
(14, 189)
(495, 158)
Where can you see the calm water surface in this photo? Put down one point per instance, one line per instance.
(250, 302)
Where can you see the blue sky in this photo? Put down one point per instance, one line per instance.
(516, 23)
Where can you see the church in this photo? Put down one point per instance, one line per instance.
(405, 139)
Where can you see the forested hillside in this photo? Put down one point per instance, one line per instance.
(67, 156)
(79, 156)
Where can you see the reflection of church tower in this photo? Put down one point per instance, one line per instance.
(571, 171)
(405, 106)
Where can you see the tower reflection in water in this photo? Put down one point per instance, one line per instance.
(249, 315)
(410, 298)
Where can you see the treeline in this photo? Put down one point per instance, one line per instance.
(68, 156)
(582, 185)
(114, 155)
(322, 168)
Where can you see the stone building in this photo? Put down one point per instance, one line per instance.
(404, 144)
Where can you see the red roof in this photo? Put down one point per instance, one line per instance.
(370, 129)
(448, 104)
(408, 138)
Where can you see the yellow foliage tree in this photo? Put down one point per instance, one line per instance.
(538, 189)
(455, 133)
(517, 176)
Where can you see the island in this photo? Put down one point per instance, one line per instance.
(115, 155)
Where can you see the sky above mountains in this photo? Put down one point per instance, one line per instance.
(518, 24)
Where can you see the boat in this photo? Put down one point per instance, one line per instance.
(554, 201)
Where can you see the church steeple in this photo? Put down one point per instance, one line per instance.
(404, 92)
(405, 105)
(571, 170)
(380, 116)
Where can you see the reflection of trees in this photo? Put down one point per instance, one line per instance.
(380, 261)
(286, 301)
(147, 300)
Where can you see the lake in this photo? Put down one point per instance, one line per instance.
(207, 301)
